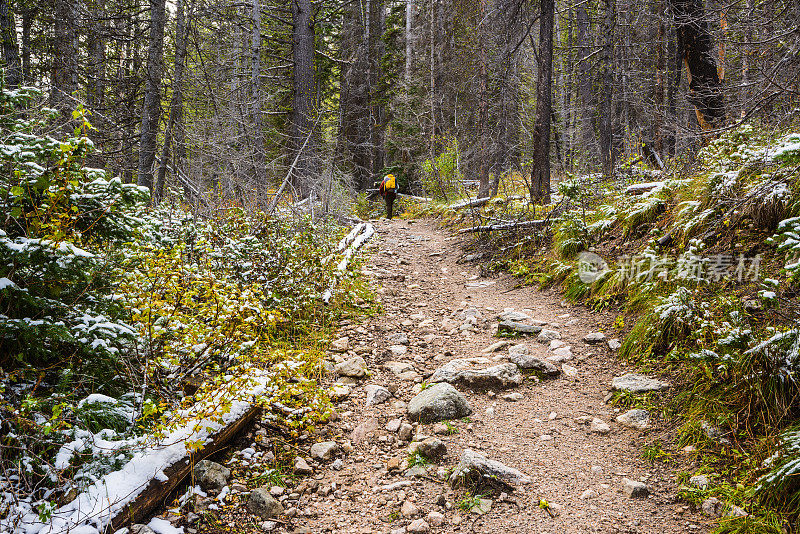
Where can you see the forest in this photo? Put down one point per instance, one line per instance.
(193, 236)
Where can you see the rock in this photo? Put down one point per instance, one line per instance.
(634, 489)
(713, 432)
(418, 526)
(416, 471)
(393, 425)
(483, 506)
(263, 504)
(588, 494)
(635, 383)
(598, 426)
(494, 347)
(512, 327)
(518, 349)
(211, 475)
(377, 394)
(405, 432)
(638, 419)
(556, 344)
(513, 315)
(712, 507)
(339, 392)
(475, 466)
(340, 345)
(301, 467)
(269, 526)
(699, 481)
(736, 511)
(435, 519)
(448, 324)
(512, 397)
(361, 433)
(526, 361)
(441, 429)
(501, 376)
(324, 451)
(546, 336)
(141, 529)
(398, 368)
(569, 371)
(431, 448)
(449, 371)
(353, 368)
(398, 350)
(399, 338)
(277, 491)
(614, 344)
(409, 509)
(594, 338)
(393, 464)
(337, 464)
(561, 355)
(438, 402)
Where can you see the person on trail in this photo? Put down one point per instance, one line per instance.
(388, 192)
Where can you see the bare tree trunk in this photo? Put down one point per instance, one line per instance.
(174, 123)
(65, 60)
(483, 106)
(28, 16)
(259, 157)
(151, 107)
(585, 94)
(696, 45)
(409, 39)
(540, 171)
(8, 27)
(606, 131)
(304, 93)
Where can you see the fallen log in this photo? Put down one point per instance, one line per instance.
(350, 245)
(470, 203)
(505, 226)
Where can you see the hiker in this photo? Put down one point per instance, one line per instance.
(387, 189)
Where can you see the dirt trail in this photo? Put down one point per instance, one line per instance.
(421, 284)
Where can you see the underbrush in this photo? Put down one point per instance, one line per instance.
(704, 262)
(121, 324)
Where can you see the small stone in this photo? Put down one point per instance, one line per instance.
(594, 338)
(435, 519)
(324, 451)
(353, 368)
(431, 448)
(699, 481)
(211, 475)
(634, 489)
(636, 418)
(398, 350)
(614, 344)
(393, 464)
(588, 494)
(377, 394)
(483, 506)
(301, 467)
(340, 345)
(494, 347)
(141, 529)
(526, 361)
(513, 315)
(268, 526)
(405, 432)
(441, 429)
(399, 338)
(277, 491)
(337, 464)
(569, 371)
(398, 368)
(556, 344)
(512, 397)
(712, 507)
(262, 504)
(418, 526)
(598, 426)
(393, 425)
(438, 402)
(339, 392)
(475, 465)
(546, 336)
(565, 353)
(736, 511)
(409, 509)
(635, 383)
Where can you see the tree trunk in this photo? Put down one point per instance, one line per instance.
(606, 129)
(8, 27)
(259, 157)
(483, 106)
(585, 92)
(151, 107)
(174, 123)
(304, 95)
(28, 15)
(65, 61)
(540, 172)
(696, 47)
(409, 39)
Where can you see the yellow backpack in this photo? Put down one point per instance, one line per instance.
(389, 183)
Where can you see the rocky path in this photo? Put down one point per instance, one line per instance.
(558, 432)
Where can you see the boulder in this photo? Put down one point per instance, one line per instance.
(263, 504)
(474, 467)
(438, 402)
(546, 336)
(513, 315)
(635, 383)
(638, 419)
(211, 475)
(324, 451)
(353, 368)
(449, 371)
(377, 394)
(503, 376)
(526, 361)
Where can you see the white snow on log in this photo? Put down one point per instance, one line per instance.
(355, 239)
(96, 507)
(638, 189)
(473, 202)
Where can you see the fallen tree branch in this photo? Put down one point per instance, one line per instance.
(471, 203)
(507, 226)
(349, 245)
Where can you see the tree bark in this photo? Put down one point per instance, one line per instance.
(151, 107)
(540, 172)
(483, 106)
(259, 157)
(409, 39)
(585, 93)
(696, 47)
(8, 27)
(606, 128)
(28, 16)
(65, 61)
(304, 94)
